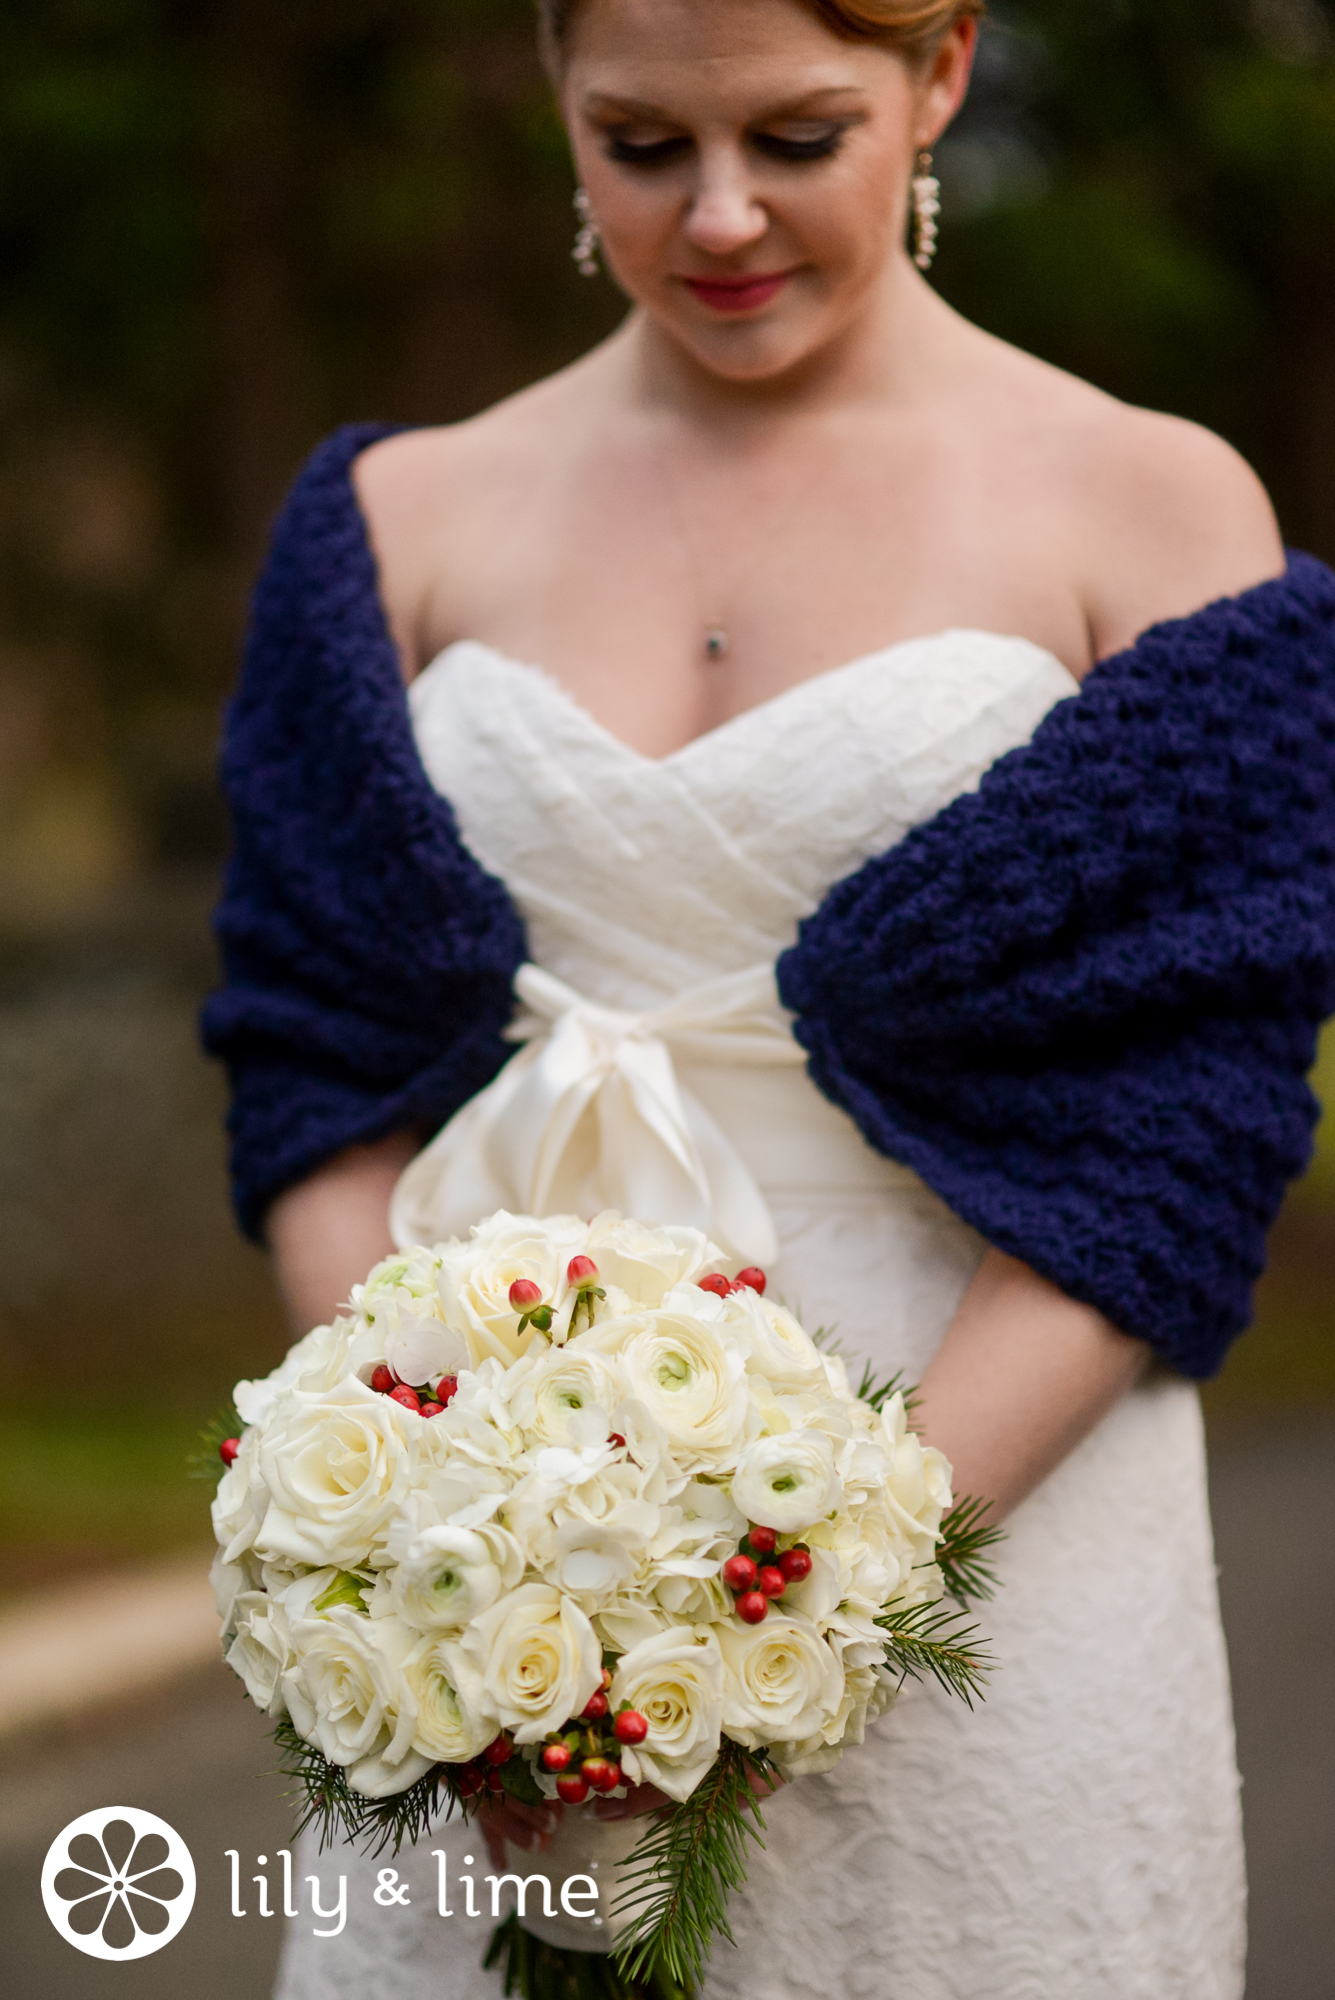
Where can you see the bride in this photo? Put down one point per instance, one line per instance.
(690, 633)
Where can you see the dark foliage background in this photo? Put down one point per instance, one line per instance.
(226, 226)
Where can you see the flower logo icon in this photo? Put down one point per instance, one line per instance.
(118, 1883)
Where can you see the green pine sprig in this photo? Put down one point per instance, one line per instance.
(966, 1536)
(678, 1879)
(326, 1801)
(878, 1393)
(532, 1969)
(931, 1641)
(203, 1459)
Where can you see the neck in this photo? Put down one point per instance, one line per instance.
(881, 357)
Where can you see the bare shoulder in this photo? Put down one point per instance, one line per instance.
(434, 499)
(1165, 517)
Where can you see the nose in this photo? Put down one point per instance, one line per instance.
(726, 214)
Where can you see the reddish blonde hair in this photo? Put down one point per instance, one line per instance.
(909, 25)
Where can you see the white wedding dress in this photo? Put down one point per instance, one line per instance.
(1077, 1837)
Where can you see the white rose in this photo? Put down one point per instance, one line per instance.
(531, 1662)
(336, 1465)
(475, 1279)
(262, 1651)
(689, 1376)
(646, 1263)
(241, 1501)
(346, 1693)
(591, 1560)
(783, 1682)
(868, 1693)
(787, 1482)
(917, 1486)
(446, 1576)
(446, 1731)
(676, 1680)
(228, 1581)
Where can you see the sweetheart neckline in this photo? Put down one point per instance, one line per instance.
(877, 657)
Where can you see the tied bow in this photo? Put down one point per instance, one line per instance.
(590, 1114)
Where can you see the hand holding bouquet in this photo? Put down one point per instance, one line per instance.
(564, 1510)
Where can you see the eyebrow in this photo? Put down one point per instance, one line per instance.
(602, 103)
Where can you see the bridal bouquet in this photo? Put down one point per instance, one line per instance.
(563, 1509)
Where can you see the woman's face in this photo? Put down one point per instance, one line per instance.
(749, 169)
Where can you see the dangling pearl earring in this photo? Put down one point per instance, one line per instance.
(585, 252)
(926, 208)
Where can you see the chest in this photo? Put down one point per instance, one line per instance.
(667, 604)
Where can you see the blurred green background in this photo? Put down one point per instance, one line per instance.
(226, 226)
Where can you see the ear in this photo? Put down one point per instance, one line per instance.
(946, 80)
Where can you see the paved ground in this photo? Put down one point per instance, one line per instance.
(199, 1759)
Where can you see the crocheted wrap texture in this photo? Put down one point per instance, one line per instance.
(1082, 1002)
(369, 959)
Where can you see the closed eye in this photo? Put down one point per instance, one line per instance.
(822, 144)
(646, 152)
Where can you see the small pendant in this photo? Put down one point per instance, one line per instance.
(716, 643)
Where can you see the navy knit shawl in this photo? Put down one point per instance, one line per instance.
(1081, 1002)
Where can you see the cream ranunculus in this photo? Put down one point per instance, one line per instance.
(784, 1683)
(689, 1376)
(531, 1662)
(336, 1466)
(778, 1347)
(787, 1482)
(475, 1279)
(346, 1693)
(646, 1263)
(446, 1576)
(676, 1680)
(560, 1389)
(445, 1730)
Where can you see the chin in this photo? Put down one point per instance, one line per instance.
(756, 351)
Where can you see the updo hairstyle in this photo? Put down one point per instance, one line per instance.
(913, 27)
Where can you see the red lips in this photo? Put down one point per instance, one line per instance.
(738, 295)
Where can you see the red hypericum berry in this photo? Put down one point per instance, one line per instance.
(752, 1279)
(630, 1726)
(524, 1295)
(556, 1757)
(446, 1389)
(762, 1540)
(470, 1781)
(500, 1750)
(615, 1438)
(383, 1380)
(495, 1782)
(431, 1409)
(408, 1398)
(601, 1773)
(595, 1708)
(581, 1271)
(739, 1573)
(772, 1580)
(572, 1789)
(753, 1607)
(607, 1679)
(795, 1564)
(228, 1450)
(718, 1285)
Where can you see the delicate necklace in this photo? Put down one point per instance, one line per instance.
(717, 641)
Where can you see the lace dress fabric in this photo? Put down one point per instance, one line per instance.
(1078, 1835)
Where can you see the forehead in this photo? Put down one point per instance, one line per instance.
(717, 52)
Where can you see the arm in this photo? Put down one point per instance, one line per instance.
(1022, 1376)
(327, 1231)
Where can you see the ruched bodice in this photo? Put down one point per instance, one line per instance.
(1079, 1835)
(638, 877)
